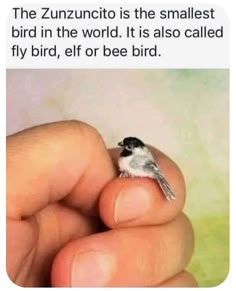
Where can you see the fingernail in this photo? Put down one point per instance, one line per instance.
(131, 203)
(91, 269)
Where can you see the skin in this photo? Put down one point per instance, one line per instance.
(63, 218)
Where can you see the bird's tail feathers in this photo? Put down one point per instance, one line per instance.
(165, 186)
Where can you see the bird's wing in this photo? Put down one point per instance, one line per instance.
(143, 161)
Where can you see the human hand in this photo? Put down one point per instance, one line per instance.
(61, 182)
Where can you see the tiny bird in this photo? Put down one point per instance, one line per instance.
(137, 161)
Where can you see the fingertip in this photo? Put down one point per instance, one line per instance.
(138, 201)
(183, 279)
(61, 269)
(87, 262)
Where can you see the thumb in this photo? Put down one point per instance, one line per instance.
(140, 201)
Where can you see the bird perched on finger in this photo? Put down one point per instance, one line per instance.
(137, 161)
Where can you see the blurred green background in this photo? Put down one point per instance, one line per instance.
(185, 113)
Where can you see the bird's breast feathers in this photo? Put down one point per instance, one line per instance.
(134, 165)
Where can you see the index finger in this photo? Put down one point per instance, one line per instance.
(54, 161)
(140, 201)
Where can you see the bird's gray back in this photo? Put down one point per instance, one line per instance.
(143, 161)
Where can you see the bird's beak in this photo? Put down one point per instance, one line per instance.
(120, 144)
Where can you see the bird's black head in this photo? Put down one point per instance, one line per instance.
(129, 144)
